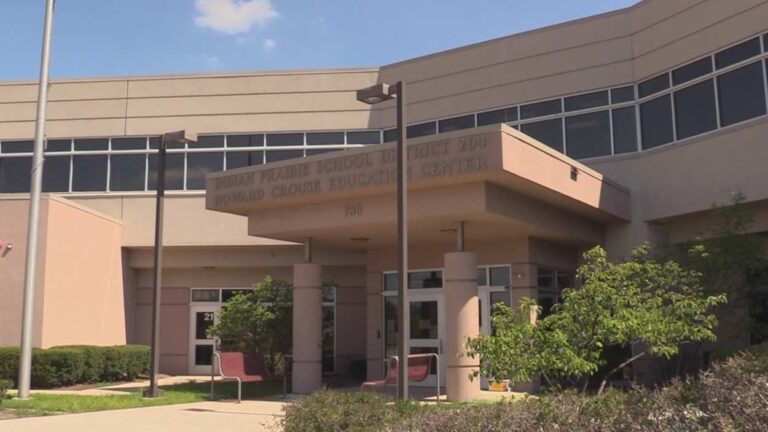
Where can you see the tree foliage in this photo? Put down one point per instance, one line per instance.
(258, 321)
(652, 305)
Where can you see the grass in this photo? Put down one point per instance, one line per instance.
(47, 404)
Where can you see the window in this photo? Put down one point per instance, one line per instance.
(695, 111)
(286, 139)
(425, 279)
(482, 276)
(539, 109)
(624, 130)
(205, 295)
(129, 143)
(56, 174)
(456, 123)
(420, 130)
(245, 140)
(585, 101)
(549, 132)
(653, 85)
(390, 135)
(325, 138)
(200, 164)
(737, 53)
(92, 144)
(154, 143)
(127, 172)
(364, 137)
(692, 71)
(656, 122)
(207, 141)
(15, 174)
(58, 145)
(244, 159)
(623, 94)
(17, 146)
(499, 276)
(89, 173)
(741, 94)
(174, 172)
(227, 294)
(504, 115)
(588, 135)
(281, 155)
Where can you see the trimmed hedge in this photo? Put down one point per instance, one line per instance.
(4, 386)
(69, 365)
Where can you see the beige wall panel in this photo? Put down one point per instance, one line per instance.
(13, 231)
(649, 12)
(245, 104)
(251, 122)
(64, 90)
(85, 128)
(91, 109)
(82, 306)
(174, 330)
(215, 278)
(694, 33)
(299, 81)
(18, 92)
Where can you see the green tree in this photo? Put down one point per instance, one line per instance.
(258, 321)
(651, 305)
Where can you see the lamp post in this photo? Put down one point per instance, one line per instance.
(178, 137)
(373, 95)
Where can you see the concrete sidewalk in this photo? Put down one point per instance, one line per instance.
(257, 416)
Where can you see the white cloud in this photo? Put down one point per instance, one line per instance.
(234, 16)
(269, 45)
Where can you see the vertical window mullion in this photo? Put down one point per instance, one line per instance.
(610, 127)
(717, 95)
(562, 126)
(765, 79)
(639, 126)
(674, 117)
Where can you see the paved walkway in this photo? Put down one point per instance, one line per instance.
(254, 416)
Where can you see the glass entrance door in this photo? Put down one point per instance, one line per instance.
(488, 297)
(201, 345)
(426, 333)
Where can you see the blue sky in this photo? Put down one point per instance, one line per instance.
(129, 37)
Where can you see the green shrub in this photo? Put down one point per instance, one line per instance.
(57, 367)
(4, 386)
(327, 411)
(9, 363)
(126, 362)
(94, 362)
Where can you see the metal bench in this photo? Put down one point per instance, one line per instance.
(243, 368)
(419, 369)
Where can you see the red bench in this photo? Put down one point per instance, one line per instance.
(243, 368)
(419, 369)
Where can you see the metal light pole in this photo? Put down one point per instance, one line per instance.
(373, 95)
(165, 139)
(27, 315)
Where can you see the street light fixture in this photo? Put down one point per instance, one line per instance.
(178, 137)
(373, 95)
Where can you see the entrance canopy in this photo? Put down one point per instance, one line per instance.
(499, 181)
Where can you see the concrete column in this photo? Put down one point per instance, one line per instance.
(307, 328)
(461, 310)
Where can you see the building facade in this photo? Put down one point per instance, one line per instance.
(612, 126)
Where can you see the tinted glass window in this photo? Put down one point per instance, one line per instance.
(200, 164)
(741, 94)
(280, 155)
(499, 276)
(589, 100)
(325, 138)
(623, 94)
(364, 137)
(588, 135)
(17, 146)
(207, 141)
(126, 172)
(421, 130)
(244, 159)
(312, 152)
(89, 173)
(737, 53)
(692, 71)
(456, 123)
(425, 279)
(497, 116)
(695, 111)
(287, 139)
(59, 145)
(390, 135)
(245, 140)
(539, 109)
(129, 143)
(15, 174)
(92, 144)
(653, 85)
(550, 132)
(154, 142)
(174, 172)
(56, 174)
(624, 130)
(656, 122)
